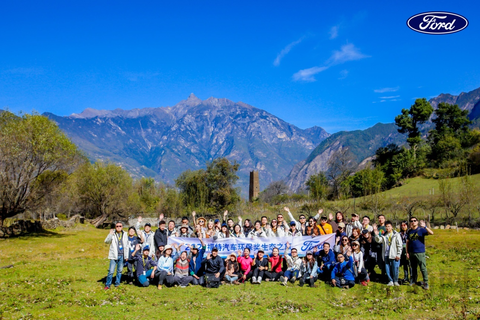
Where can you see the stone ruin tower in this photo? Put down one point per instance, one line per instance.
(254, 186)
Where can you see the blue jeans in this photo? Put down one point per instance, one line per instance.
(118, 264)
(231, 279)
(145, 279)
(391, 269)
(290, 274)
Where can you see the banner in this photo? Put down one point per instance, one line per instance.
(226, 246)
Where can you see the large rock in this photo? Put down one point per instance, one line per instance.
(442, 227)
(447, 227)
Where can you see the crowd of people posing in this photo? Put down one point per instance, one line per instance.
(360, 246)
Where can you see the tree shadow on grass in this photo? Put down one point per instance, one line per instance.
(41, 234)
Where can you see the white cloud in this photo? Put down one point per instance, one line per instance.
(390, 97)
(343, 74)
(307, 74)
(286, 50)
(383, 90)
(334, 32)
(347, 53)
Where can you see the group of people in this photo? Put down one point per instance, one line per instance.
(359, 247)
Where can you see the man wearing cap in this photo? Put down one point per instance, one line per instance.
(260, 266)
(340, 231)
(195, 267)
(354, 223)
(145, 266)
(117, 254)
(301, 225)
(294, 232)
(147, 235)
(324, 227)
(214, 267)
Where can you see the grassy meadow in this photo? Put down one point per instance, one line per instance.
(58, 275)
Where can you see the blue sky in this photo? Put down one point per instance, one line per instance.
(341, 65)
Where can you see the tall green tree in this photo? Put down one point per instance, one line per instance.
(408, 122)
(35, 155)
(451, 135)
(211, 189)
(106, 192)
(317, 184)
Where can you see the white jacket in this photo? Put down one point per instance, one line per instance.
(148, 239)
(112, 239)
(396, 245)
(293, 263)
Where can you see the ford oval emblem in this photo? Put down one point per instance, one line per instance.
(437, 22)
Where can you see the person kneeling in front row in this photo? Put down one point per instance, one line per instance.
(309, 270)
(145, 266)
(214, 267)
(342, 273)
(293, 266)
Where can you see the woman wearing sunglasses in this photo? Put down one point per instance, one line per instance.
(343, 246)
(361, 274)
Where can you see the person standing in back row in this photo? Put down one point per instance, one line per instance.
(416, 250)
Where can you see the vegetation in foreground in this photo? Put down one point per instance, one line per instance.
(58, 275)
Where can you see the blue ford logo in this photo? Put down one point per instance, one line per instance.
(437, 22)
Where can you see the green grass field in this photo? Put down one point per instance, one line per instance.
(57, 275)
(420, 186)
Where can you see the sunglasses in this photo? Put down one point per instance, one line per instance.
(118, 226)
(340, 227)
(345, 240)
(302, 218)
(413, 220)
(354, 245)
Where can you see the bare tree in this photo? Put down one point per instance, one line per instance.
(274, 189)
(340, 165)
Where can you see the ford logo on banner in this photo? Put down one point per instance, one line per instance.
(437, 22)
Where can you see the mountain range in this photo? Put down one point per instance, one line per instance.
(364, 143)
(163, 142)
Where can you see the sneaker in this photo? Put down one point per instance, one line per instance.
(282, 279)
(254, 280)
(159, 287)
(236, 282)
(364, 283)
(425, 286)
(183, 286)
(106, 288)
(293, 279)
(390, 284)
(396, 284)
(301, 283)
(267, 279)
(259, 281)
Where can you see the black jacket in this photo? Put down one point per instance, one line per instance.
(160, 238)
(214, 265)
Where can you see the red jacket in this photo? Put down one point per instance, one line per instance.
(276, 262)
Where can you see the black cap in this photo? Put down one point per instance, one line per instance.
(147, 225)
(215, 249)
(260, 250)
(364, 231)
(292, 223)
